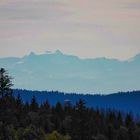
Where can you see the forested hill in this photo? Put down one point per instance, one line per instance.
(124, 101)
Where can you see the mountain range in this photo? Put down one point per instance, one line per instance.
(69, 73)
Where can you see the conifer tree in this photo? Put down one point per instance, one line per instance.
(34, 104)
(5, 83)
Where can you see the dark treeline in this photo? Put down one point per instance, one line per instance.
(123, 101)
(24, 121)
(33, 121)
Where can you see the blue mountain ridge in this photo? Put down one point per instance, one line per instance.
(68, 73)
(122, 101)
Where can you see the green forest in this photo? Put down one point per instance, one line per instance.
(32, 121)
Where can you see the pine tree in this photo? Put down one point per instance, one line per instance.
(5, 83)
(18, 102)
(34, 104)
(79, 124)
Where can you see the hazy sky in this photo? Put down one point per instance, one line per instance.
(87, 28)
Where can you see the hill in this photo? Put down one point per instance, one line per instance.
(123, 101)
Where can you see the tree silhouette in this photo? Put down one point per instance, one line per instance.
(34, 104)
(80, 119)
(5, 83)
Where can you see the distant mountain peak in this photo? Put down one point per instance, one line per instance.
(32, 54)
(58, 52)
(135, 58)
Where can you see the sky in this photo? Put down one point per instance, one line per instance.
(86, 28)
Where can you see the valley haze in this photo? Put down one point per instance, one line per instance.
(69, 73)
